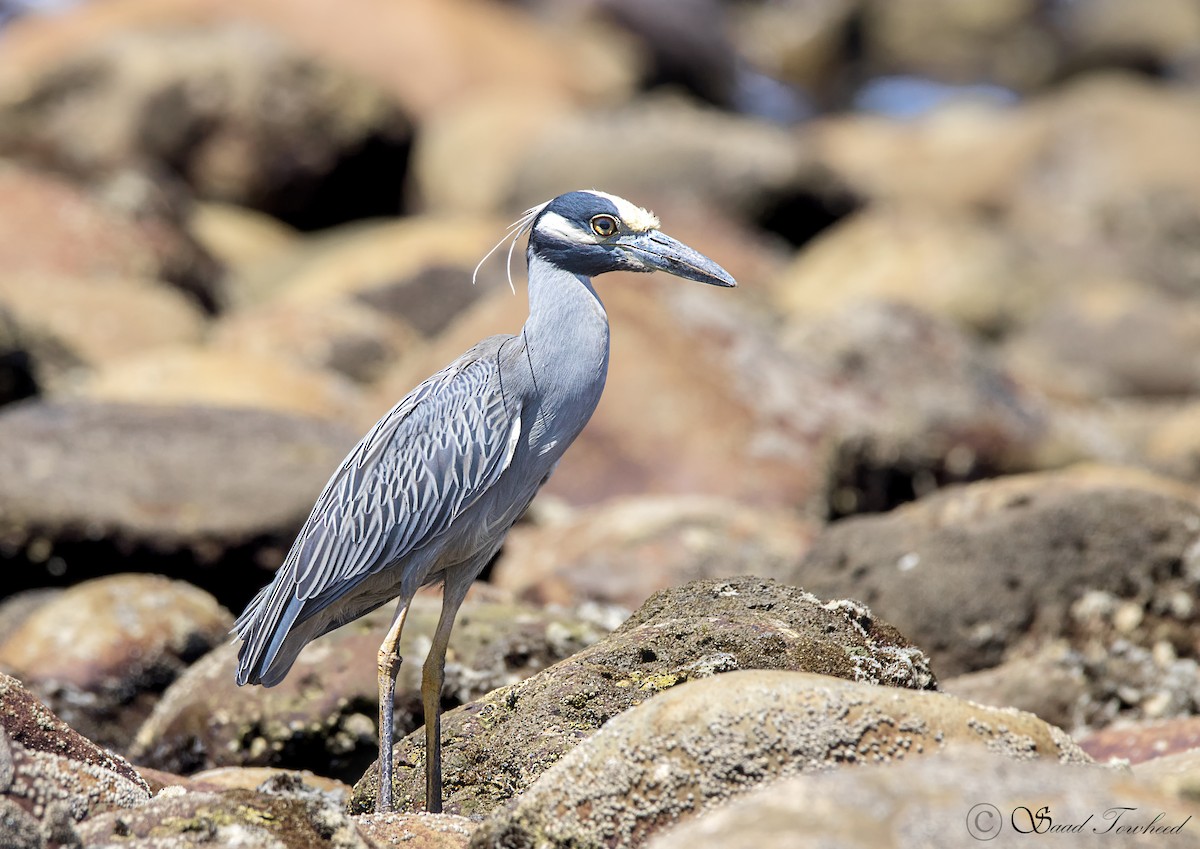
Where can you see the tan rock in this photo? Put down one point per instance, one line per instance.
(624, 550)
(709, 741)
(973, 573)
(947, 263)
(339, 335)
(100, 650)
(52, 776)
(945, 802)
(95, 321)
(215, 378)
(496, 747)
(416, 830)
(240, 238)
(323, 715)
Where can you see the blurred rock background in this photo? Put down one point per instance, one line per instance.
(960, 381)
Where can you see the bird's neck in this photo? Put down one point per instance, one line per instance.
(566, 336)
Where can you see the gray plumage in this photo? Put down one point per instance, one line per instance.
(429, 493)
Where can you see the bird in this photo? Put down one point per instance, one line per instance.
(429, 493)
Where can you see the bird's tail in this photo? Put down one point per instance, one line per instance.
(270, 644)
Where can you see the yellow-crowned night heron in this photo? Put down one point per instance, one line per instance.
(429, 494)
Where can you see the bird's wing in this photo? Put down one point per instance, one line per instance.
(429, 459)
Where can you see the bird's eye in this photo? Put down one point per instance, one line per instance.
(604, 225)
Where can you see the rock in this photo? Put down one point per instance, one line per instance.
(946, 262)
(622, 551)
(281, 812)
(239, 104)
(18, 607)
(974, 572)
(931, 405)
(100, 652)
(1177, 774)
(50, 776)
(686, 153)
(169, 490)
(241, 239)
(1052, 684)
(416, 830)
(323, 715)
(52, 229)
(957, 157)
(1079, 345)
(206, 377)
(708, 741)
(252, 777)
(1114, 184)
(1143, 741)
(418, 267)
(88, 321)
(462, 47)
(793, 41)
(340, 335)
(1001, 41)
(452, 173)
(1172, 445)
(943, 802)
(494, 748)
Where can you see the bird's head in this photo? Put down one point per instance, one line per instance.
(590, 232)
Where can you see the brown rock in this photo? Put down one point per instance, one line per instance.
(229, 108)
(708, 741)
(52, 229)
(323, 715)
(946, 262)
(415, 830)
(943, 802)
(1051, 683)
(685, 153)
(494, 748)
(338, 335)
(240, 238)
(207, 377)
(89, 321)
(252, 777)
(384, 261)
(1143, 741)
(101, 651)
(973, 572)
(927, 405)
(1110, 339)
(52, 775)
(623, 551)
(281, 812)
(461, 46)
(169, 490)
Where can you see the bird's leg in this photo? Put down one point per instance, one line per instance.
(389, 666)
(432, 678)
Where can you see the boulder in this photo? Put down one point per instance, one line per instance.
(945, 802)
(210, 495)
(50, 776)
(496, 747)
(622, 551)
(323, 716)
(974, 572)
(102, 651)
(707, 742)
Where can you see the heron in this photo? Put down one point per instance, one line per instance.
(428, 495)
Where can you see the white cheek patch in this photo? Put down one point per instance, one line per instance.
(553, 224)
(634, 217)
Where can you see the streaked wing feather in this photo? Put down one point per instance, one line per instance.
(429, 459)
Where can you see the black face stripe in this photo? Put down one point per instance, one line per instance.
(579, 208)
